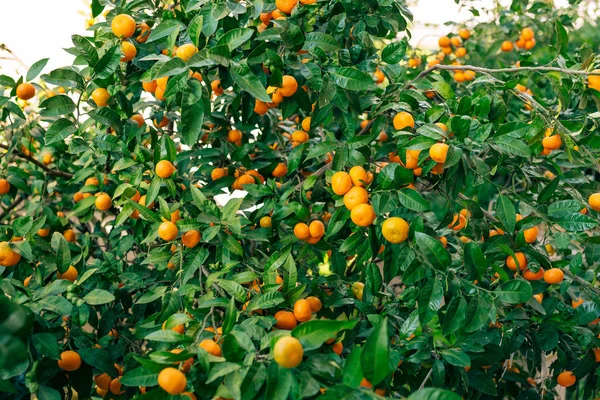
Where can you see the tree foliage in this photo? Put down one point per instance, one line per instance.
(403, 223)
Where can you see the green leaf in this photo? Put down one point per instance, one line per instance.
(430, 300)
(375, 354)
(230, 317)
(64, 77)
(192, 118)
(167, 336)
(47, 393)
(433, 394)
(140, 377)
(235, 38)
(46, 345)
(195, 29)
(164, 29)
(172, 67)
(36, 68)
(321, 41)
(86, 49)
(279, 382)
(394, 52)
(514, 292)
(443, 89)
(456, 357)
(455, 315)
(63, 254)
(433, 250)
(563, 208)
(352, 371)
(474, 260)
(548, 190)
(562, 39)
(351, 79)
(108, 63)
(59, 131)
(577, 222)
(505, 211)
(247, 81)
(57, 105)
(477, 314)
(106, 117)
(98, 296)
(314, 333)
(512, 147)
(413, 200)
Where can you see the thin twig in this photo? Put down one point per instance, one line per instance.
(426, 379)
(11, 207)
(582, 282)
(317, 173)
(50, 171)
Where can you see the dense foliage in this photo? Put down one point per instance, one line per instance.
(410, 219)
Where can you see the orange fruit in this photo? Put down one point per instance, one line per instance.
(358, 176)
(5, 187)
(403, 120)
(315, 303)
(316, 229)
(138, 119)
(234, 136)
(102, 381)
(507, 46)
(123, 26)
(218, 173)
(460, 52)
(69, 235)
(216, 87)
(438, 152)
(167, 231)
(444, 241)
(365, 383)
(69, 275)
(8, 257)
(302, 310)
(300, 137)
(527, 33)
(265, 18)
(444, 41)
(280, 170)
(301, 231)
(191, 238)
(288, 352)
(538, 297)
(530, 44)
(265, 222)
(172, 380)
(341, 183)
(286, 6)
(553, 142)
(458, 222)
(412, 159)
(25, 91)
(464, 33)
(510, 262)
(337, 348)
(531, 234)
(566, 379)
(531, 276)
(289, 85)
(395, 230)
(363, 215)
(306, 123)
(100, 96)
(355, 196)
(144, 33)
(190, 395)
(69, 361)
(164, 169)
(285, 320)
(103, 202)
(115, 386)
(553, 276)
(186, 51)
(260, 107)
(379, 76)
(577, 303)
(129, 51)
(211, 347)
(593, 201)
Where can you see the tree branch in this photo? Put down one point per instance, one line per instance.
(11, 207)
(50, 171)
(496, 71)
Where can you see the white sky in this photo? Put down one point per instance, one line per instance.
(50, 24)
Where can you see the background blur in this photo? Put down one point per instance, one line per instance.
(50, 24)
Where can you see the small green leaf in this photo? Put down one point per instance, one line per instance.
(375, 354)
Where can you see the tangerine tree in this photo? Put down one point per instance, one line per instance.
(273, 200)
